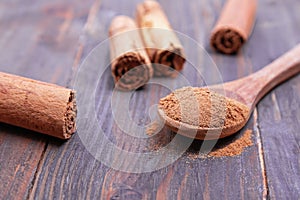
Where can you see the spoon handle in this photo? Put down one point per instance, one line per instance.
(253, 87)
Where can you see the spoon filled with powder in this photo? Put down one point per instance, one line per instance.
(206, 114)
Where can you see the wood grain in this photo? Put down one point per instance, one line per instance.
(36, 167)
(279, 111)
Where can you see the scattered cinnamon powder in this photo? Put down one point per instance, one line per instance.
(159, 139)
(224, 147)
(203, 108)
(228, 147)
(234, 148)
(194, 156)
(153, 128)
(159, 136)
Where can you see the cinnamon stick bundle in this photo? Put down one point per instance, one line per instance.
(234, 26)
(130, 65)
(37, 106)
(163, 47)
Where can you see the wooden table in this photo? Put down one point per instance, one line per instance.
(48, 41)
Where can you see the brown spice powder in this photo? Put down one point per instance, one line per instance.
(234, 148)
(153, 128)
(228, 148)
(203, 108)
(160, 139)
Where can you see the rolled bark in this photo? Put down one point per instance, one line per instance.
(37, 106)
(130, 64)
(234, 26)
(163, 46)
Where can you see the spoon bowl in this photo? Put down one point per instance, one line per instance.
(248, 91)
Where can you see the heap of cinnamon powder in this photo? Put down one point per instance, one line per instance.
(232, 146)
(235, 147)
(214, 110)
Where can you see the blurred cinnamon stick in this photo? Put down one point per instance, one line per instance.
(234, 26)
(163, 47)
(130, 66)
(37, 106)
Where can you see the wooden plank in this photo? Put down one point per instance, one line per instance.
(279, 127)
(38, 40)
(279, 111)
(69, 170)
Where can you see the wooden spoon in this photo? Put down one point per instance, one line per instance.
(248, 91)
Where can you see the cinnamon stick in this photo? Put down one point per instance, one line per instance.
(130, 65)
(234, 26)
(163, 47)
(37, 106)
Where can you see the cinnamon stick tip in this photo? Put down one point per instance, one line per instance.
(146, 7)
(151, 3)
(227, 39)
(70, 116)
(119, 23)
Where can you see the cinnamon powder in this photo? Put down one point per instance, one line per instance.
(228, 147)
(153, 128)
(203, 108)
(233, 148)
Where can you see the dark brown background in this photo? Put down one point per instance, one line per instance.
(48, 40)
